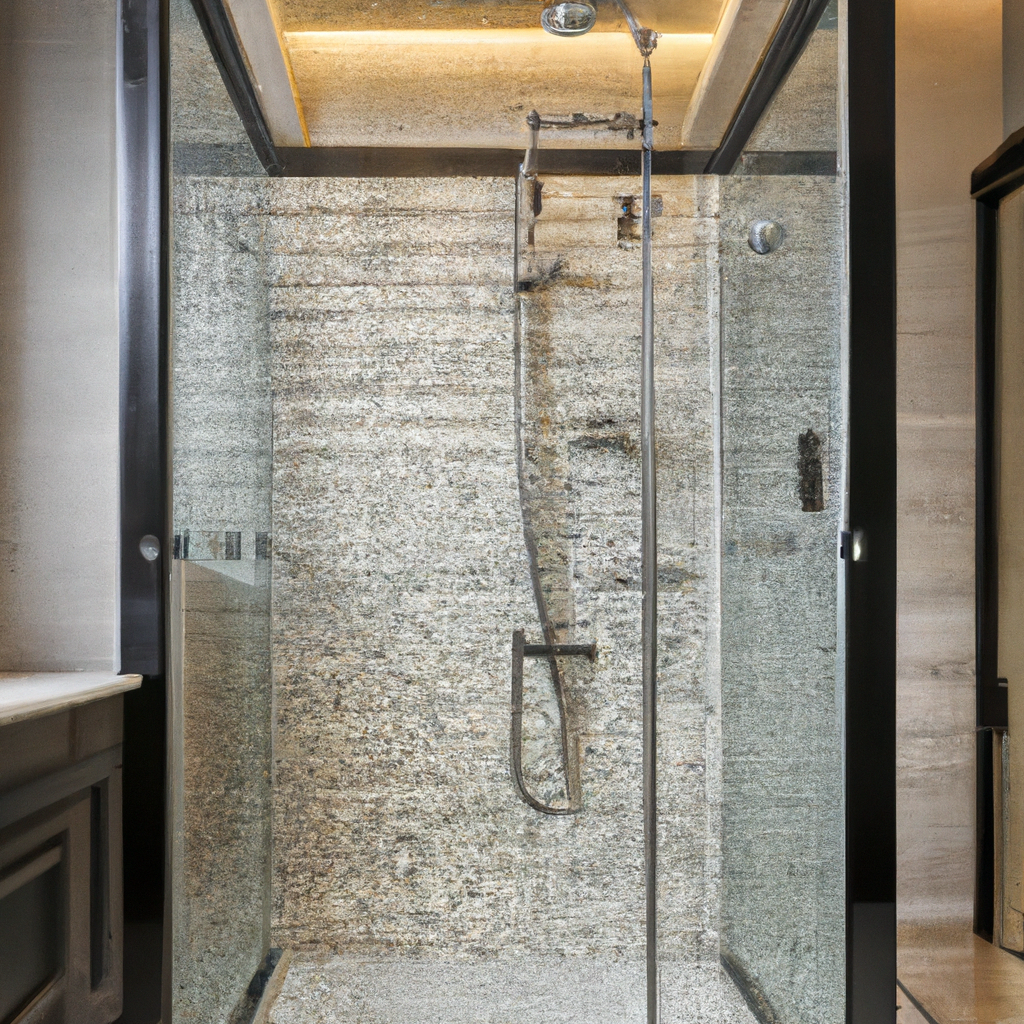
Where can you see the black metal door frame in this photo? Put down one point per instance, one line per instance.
(871, 580)
(143, 201)
(993, 179)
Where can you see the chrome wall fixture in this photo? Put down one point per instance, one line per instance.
(527, 195)
(551, 652)
(765, 236)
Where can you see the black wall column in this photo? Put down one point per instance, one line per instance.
(144, 239)
(143, 286)
(871, 581)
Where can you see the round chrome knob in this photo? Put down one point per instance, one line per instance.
(765, 236)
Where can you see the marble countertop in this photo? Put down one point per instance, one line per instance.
(34, 694)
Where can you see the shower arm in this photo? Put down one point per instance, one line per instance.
(621, 121)
(646, 39)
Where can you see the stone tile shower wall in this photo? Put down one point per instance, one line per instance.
(400, 569)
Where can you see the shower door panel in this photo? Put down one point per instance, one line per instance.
(783, 489)
(783, 920)
(220, 735)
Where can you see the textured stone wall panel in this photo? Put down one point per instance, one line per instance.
(400, 567)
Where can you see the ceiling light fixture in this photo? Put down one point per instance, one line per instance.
(568, 19)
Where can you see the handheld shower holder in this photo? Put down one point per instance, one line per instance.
(521, 650)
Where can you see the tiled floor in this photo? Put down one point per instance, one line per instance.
(958, 978)
(947, 977)
(906, 1011)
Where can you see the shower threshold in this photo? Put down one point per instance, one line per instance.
(320, 988)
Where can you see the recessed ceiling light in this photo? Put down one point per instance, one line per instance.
(568, 19)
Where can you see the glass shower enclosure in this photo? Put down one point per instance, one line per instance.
(407, 738)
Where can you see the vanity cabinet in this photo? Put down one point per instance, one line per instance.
(60, 848)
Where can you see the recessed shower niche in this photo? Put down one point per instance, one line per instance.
(409, 502)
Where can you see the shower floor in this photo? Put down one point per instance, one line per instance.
(321, 989)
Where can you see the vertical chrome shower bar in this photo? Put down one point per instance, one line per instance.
(649, 572)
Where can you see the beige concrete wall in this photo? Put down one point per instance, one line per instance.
(1013, 66)
(58, 336)
(948, 109)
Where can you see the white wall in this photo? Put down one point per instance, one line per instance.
(58, 335)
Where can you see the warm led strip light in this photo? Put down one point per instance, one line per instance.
(338, 40)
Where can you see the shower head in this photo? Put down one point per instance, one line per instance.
(568, 19)
(574, 17)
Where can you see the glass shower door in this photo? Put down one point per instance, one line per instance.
(407, 451)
